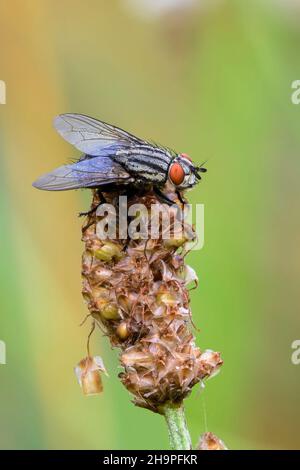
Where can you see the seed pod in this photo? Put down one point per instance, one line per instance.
(108, 310)
(102, 274)
(100, 293)
(126, 302)
(210, 362)
(122, 331)
(132, 357)
(108, 252)
(88, 373)
(166, 297)
(175, 242)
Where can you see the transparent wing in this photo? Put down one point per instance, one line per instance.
(90, 135)
(86, 173)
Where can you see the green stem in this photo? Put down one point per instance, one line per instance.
(178, 431)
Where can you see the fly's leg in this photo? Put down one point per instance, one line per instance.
(168, 201)
(179, 210)
(94, 209)
(88, 213)
(162, 196)
(181, 199)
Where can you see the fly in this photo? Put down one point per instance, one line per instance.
(115, 158)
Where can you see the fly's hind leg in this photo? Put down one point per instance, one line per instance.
(88, 213)
(94, 209)
(91, 212)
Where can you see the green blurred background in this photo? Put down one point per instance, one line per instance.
(213, 79)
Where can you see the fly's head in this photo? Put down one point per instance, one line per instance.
(183, 173)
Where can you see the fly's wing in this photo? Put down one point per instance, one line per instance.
(91, 136)
(86, 173)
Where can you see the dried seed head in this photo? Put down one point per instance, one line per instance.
(138, 290)
(88, 372)
(210, 441)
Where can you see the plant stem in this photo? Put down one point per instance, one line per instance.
(178, 431)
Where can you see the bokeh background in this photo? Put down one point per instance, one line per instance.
(210, 78)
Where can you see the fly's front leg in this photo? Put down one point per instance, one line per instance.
(168, 201)
(181, 199)
(162, 196)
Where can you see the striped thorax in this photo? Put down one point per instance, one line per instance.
(146, 161)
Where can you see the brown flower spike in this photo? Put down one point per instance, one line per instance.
(135, 282)
(136, 291)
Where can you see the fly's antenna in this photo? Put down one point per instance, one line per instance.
(199, 169)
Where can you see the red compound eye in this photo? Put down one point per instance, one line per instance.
(176, 173)
(185, 155)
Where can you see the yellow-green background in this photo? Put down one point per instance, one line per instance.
(215, 83)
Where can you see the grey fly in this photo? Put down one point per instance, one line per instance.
(113, 158)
